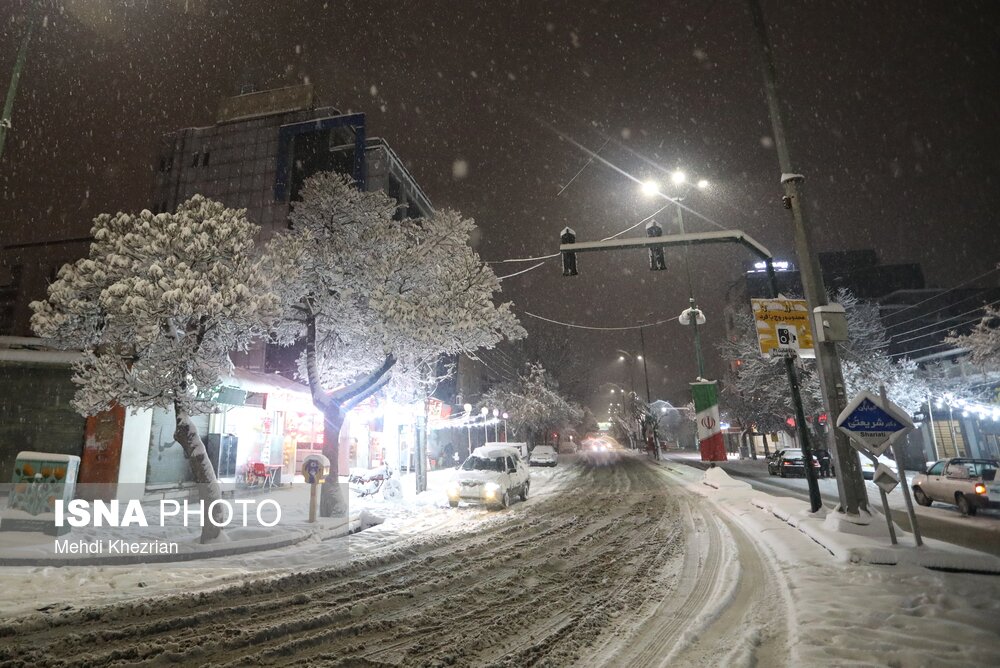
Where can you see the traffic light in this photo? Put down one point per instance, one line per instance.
(568, 236)
(656, 260)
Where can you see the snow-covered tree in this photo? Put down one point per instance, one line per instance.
(756, 392)
(534, 403)
(588, 422)
(156, 307)
(377, 300)
(566, 366)
(983, 342)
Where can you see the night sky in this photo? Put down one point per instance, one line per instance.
(892, 117)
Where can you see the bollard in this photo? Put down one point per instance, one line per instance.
(314, 469)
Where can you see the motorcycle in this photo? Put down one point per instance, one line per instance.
(371, 482)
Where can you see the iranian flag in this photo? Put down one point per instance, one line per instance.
(706, 407)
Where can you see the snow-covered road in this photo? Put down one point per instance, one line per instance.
(632, 564)
(609, 564)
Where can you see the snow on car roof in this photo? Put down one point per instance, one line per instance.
(486, 451)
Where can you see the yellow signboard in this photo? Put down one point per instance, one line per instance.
(783, 326)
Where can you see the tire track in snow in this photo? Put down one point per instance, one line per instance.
(540, 583)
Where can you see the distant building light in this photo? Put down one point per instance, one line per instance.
(779, 265)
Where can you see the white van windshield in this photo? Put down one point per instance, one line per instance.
(480, 464)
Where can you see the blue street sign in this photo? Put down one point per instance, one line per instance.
(871, 424)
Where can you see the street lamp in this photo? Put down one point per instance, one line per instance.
(496, 424)
(468, 425)
(505, 416)
(631, 376)
(692, 315)
(486, 434)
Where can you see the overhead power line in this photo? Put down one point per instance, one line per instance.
(930, 313)
(963, 284)
(523, 271)
(602, 329)
(939, 322)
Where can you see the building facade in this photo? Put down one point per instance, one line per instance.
(256, 156)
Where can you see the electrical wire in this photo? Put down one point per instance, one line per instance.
(943, 329)
(499, 362)
(938, 310)
(478, 358)
(523, 271)
(502, 355)
(629, 229)
(586, 164)
(919, 350)
(975, 278)
(524, 259)
(602, 329)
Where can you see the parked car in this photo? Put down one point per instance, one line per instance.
(970, 484)
(493, 475)
(544, 455)
(789, 462)
(868, 466)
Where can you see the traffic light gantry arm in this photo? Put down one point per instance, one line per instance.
(692, 239)
(569, 247)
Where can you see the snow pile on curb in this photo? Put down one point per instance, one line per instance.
(717, 478)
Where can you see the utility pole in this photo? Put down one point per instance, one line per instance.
(645, 370)
(850, 483)
(645, 373)
(8, 107)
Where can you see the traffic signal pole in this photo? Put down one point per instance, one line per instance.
(850, 482)
(569, 247)
(8, 107)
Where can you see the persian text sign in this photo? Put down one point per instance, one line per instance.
(783, 326)
(873, 424)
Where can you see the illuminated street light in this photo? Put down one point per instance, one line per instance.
(486, 434)
(496, 424)
(702, 184)
(678, 177)
(650, 188)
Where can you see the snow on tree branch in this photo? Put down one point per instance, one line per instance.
(378, 288)
(158, 305)
(983, 342)
(533, 403)
(756, 392)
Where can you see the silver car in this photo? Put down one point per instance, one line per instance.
(967, 483)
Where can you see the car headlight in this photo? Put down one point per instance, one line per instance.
(491, 489)
(453, 489)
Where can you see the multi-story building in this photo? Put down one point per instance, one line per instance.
(859, 271)
(262, 147)
(256, 155)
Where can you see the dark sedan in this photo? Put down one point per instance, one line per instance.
(789, 462)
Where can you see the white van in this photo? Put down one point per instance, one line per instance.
(522, 448)
(493, 476)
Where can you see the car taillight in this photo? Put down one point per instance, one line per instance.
(980, 488)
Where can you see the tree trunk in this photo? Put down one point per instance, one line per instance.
(209, 489)
(331, 500)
